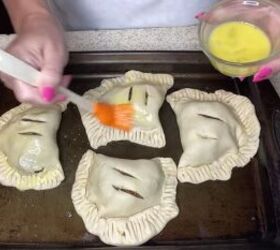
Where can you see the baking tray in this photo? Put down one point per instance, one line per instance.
(242, 213)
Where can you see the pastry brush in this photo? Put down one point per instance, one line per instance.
(118, 116)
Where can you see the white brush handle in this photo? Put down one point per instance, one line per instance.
(22, 71)
(77, 99)
(18, 69)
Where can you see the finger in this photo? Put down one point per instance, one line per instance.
(66, 79)
(222, 14)
(241, 78)
(27, 94)
(266, 71)
(59, 98)
(200, 15)
(7, 80)
(218, 15)
(208, 17)
(214, 16)
(51, 74)
(64, 83)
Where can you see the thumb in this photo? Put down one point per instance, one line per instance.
(50, 77)
(267, 70)
(215, 16)
(228, 12)
(47, 81)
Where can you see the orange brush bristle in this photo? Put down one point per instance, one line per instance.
(119, 116)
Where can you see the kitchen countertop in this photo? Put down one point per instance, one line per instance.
(172, 39)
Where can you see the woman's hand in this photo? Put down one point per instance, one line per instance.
(39, 42)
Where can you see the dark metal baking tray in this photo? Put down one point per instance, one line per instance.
(242, 213)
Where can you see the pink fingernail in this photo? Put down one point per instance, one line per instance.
(262, 74)
(48, 93)
(199, 15)
(241, 78)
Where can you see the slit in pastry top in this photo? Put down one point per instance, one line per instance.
(121, 188)
(145, 98)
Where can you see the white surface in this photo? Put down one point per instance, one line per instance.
(177, 38)
(119, 14)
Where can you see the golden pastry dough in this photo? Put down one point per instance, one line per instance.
(125, 202)
(219, 131)
(28, 151)
(146, 93)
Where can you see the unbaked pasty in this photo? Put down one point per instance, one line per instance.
(146, 92)
(125, 202)
(28, 150)
(219, 131)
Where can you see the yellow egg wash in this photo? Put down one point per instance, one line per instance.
(239, 42)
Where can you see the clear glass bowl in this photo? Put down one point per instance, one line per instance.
(264, 14)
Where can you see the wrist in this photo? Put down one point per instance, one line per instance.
(33, 19)
(20, 12)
